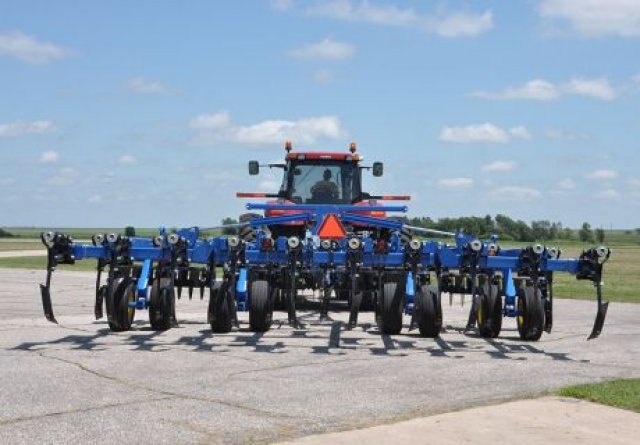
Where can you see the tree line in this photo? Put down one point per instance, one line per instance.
(505, 227)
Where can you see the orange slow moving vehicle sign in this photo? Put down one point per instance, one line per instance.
(331, 228)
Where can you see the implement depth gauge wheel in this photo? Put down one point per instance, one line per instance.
(119, 314)
(530, 317)
(390, 308)
(260, 306)
(489, 311)
(162, 304)
(219, 313)
(429, 311)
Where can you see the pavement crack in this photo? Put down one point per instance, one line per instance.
(297, 365)
(78, 410)
(165, 393)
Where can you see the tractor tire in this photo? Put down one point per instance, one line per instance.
(429, 311)
(246, 232)
(530, 319)
(162, 304)
(390, 308)
(219, 313)
(120, 315)
(260, 306)
(489, 311)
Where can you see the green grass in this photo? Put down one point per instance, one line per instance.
(623, 393)
(26, 244)
(621, 276)
(83, 233)
(40, 263)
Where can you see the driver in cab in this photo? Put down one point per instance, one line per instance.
(325, 189)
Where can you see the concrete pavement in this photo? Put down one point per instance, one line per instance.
(79, 383)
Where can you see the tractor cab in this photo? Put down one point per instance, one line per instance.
(320, 178)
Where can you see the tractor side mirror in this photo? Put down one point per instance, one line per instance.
(377, 168)
(254, 167)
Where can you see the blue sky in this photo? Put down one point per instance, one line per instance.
(146, 112)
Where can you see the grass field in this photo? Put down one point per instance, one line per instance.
(12, 244)
(621, 276)
(623, 393)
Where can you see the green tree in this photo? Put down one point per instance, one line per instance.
(600, 235)
(130, 231)
(229, 230)
(585, 234)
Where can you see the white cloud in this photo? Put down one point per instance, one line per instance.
(536, 89)
(64, 176)
(607, 194)
(6, 181)
(94, 199)
(455, 183)
(28, 49)
(603, 174)
(140, 85)
(210, 121)
(595, 18)
(303, 131)
(520, 133)
(512, 193)
(499, 166)
(20, 128)
(566, 184)
(482, 133)
(543, 90)
(595, 88)
(127, 159)
(461, 24)
(559, 134)
(327, 49)
(281, 5)
(456, 24)
(49, 157)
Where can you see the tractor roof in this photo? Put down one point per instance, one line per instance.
(323, 155)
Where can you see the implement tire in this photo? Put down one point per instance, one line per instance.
(120, 315)
(162, 304)
(530, 317)
(260, 306)
(219, 312)
(429, 311)
(390, 308)
(489, 311)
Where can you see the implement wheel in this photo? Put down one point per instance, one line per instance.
(219, 313)
(260, 306)
(162, 304)
(489, 311)
(390, 308)
(530, 317)
(429, 311)
(119, 314)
